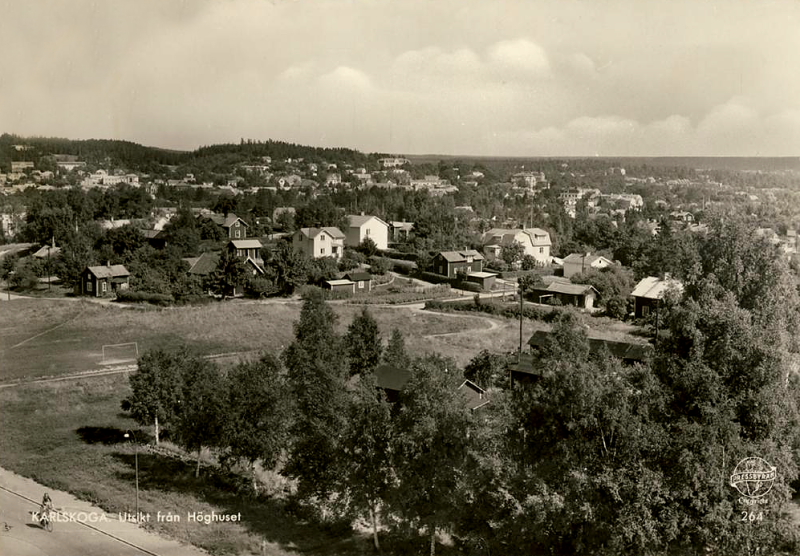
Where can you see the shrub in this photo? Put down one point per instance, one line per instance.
(469, 286)
(380, 265)
(160, 299)
(433, 278)
(403, 267)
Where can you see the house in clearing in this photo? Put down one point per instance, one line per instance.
(316, 243)
(578, 263)
(362, 227)
(450, 263)
(649, 292)
(535, 242)
(392, 380)
(362, 280)
(103, 281)
(582, 296)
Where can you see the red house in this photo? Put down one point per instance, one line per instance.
(103, 281)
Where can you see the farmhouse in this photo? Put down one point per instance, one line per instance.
(103, 281)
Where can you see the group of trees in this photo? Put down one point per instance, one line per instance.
(593, 457)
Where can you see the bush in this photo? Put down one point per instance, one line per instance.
(380, 265)
(433, 278)
(491, 307)
(160, 299)
(469, 286)
(403, 267)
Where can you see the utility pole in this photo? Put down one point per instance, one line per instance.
(519, 357)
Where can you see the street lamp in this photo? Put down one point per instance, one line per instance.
(129, 434)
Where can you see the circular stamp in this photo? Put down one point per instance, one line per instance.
(753, 477)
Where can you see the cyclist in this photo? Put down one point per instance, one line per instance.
(45, 508)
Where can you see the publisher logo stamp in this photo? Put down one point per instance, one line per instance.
(753, 477)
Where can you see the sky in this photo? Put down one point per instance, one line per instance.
(451, 77)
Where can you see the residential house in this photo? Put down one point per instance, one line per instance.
(343, 285)
(393, 162)
(567, 293)
(450, 263)
(577, 263)
(535, 241)
(362, 280)
(362, 227)
(156, 238)
(681, 216)
(391, 380)
(235, 227)
(649, 292)
(103, 281)
(249, 250)
(319, 242)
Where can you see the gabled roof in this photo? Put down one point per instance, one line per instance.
(150, 234)
(653, 287)
(458, 256)
(390, 377)
(109, 271)
(582, 258)
(568, 288)
(246, 243)
(358, 220)
(332, 231)
(203, 265)
(474, 395)
(358, 276)
(231, 219)
(505, 236)
(339, 282)
(47, 251)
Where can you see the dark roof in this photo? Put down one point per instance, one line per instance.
(474, 395)
(203, 265)
(109, 271)
(567, 288)
(230, 220)
(389, 377)
(523, 364)
(150, 234)
(358, 276)
(623, 350)
(458, 256)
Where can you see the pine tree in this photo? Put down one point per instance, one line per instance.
(395, 353)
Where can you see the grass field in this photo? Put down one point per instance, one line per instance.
(69, 436)
(40, 337)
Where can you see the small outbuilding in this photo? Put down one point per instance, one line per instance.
(484, 279)
(363, 280)
(340, 286)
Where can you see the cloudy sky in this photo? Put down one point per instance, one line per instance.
(481, 77)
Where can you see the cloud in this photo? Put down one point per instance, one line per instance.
(519, 58)
(348, 79)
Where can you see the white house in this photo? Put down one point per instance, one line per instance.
(366, 226)
(576, 263)
(535, 241)
(319, 242)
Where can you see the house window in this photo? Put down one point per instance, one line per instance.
(645, 311)
(368, 231)
(361, 285)
(541, 250)
(322, 251)
(88, 285)
(469, 259)
(105, 286)
(335, 250)
(238, 232)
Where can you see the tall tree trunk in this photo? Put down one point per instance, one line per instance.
(433, 539)
(157, 430)
(197, 471)
(373, 513)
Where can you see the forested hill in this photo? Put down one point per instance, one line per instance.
(149, 159)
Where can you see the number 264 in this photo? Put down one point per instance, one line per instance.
(752, 516)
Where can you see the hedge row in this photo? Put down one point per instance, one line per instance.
(145, 297)
(494, 308)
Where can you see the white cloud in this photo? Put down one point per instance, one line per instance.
(519, 58)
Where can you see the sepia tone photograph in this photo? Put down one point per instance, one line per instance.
(421, 277)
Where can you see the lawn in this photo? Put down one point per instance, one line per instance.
(40, 337)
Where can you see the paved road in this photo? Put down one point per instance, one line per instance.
(78, 537)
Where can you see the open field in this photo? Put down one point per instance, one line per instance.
(41, 337)
(69, 436)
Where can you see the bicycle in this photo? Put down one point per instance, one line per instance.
(46, 519)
